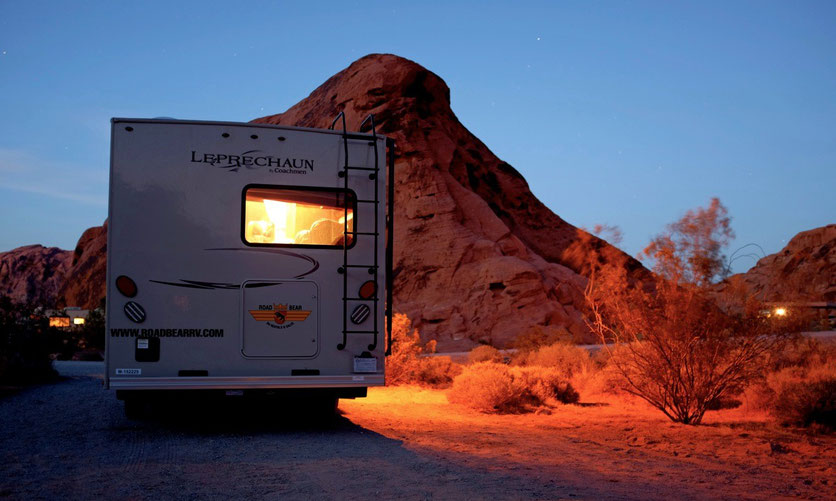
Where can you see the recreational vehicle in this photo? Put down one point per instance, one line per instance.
(245, 258)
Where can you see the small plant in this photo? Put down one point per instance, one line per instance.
(538, 336)
(802, 392)
(543, 384)
(487, 387)
(25, 346)
(491, 387)
(570, 360)
(484, 353)
(808, 403)
(409, 363)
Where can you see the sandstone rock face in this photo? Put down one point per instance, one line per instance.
(803, 270)
(87, 277)
(51, 277)
(33, 274)
(478, 259)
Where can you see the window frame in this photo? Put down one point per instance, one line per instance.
(349, 194)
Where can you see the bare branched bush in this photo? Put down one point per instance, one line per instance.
(409, 363)
(678, 349)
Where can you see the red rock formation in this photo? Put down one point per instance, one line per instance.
(86, 280)
(42, 276)
(477, 257)
(33, 274)
(803, 270)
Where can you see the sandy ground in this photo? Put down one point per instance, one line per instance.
(70, 440)
(612, 448)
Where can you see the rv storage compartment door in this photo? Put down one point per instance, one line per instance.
(280, 319)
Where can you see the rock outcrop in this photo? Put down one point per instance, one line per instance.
(34, 274)
(87, 277)
(804, 270)
(41, 276)
(478, 258)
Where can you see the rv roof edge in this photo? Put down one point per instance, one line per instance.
(115, 120)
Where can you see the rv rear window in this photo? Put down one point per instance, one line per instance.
(297, 216)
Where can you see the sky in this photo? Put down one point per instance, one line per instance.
(624, 113)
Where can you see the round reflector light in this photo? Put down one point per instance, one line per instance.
(126, 286)
(368, 290)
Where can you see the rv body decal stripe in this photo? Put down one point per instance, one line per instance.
(314, 263)
(194, 284)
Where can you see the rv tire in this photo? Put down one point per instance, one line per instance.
(134, 408)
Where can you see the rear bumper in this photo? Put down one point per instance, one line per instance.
(238, 383)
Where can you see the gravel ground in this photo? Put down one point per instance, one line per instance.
(71, 440)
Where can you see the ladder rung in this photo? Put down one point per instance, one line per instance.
(360, 332)
(359, 299)
(359, 266)
(370, 233)
(350, 167)
(369, 138)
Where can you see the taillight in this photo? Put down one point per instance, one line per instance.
(126, 286)
(368, 289)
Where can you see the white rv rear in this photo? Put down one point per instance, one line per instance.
(245, 256)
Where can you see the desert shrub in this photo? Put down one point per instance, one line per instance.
(544, 384)
(570, 360)
(493, 387)
(681, 349)
(409, 363)
(808, 403)
(437, 372)
(484, 353)
(25, 346)
(487, 387)
(800, 395)
(537, 336)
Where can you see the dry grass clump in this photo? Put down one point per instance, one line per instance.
(484, 353)
(493, 387)
(408, 363)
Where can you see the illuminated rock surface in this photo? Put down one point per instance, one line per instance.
(804, 270)
(33, 274)
(477, 257)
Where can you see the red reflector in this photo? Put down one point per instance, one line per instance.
(126, 286)
(368, 290)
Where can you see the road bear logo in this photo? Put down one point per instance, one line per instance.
(280, 313)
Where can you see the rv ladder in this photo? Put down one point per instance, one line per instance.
(373, 269)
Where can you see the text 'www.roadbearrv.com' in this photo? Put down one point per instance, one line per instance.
(167, 332)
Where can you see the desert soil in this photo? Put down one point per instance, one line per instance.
(70, 440)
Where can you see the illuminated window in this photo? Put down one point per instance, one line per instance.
(78, 321)
(297, 216)
(59, 321)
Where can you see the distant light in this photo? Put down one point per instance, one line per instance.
(78, 321)
(781, 312)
